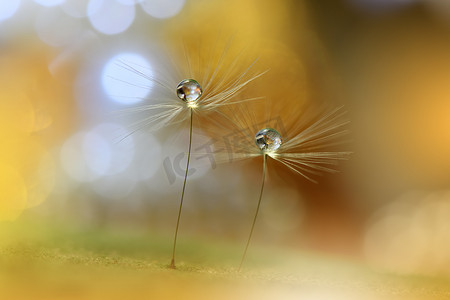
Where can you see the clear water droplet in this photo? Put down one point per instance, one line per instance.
(189, 90)
(268, 139)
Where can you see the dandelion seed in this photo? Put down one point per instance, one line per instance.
(221, 86)
(302, 150)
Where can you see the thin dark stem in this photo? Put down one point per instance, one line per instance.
(172, 263)
(257, 211)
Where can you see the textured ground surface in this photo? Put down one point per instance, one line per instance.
(40, 261)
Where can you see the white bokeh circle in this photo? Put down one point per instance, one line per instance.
(126, 78)
(55, 28)
(109, 16)
(49, 3)
(162, 9)
(105, 150)
(8, 9)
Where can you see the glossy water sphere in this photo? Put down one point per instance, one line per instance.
(189, 91)
(268, 139)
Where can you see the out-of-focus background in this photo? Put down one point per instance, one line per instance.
(68, 155)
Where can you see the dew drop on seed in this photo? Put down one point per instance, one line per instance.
(189, 90)
(268, 139)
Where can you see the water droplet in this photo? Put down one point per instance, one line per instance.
(268, 139)
(189, 90)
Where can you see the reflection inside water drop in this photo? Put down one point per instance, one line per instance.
(189, 91)
(268, 139)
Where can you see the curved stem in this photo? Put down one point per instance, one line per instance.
(257, 211)
(172, 263)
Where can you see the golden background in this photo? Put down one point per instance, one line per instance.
(386, 62)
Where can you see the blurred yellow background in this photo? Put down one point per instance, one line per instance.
(66, 156)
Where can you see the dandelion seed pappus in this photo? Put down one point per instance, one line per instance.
(306, 147)
(202, 82)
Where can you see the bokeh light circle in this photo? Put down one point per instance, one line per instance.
(410, 234)
(110, 17)
(97, 153)
(126, 78)
(56, 29)
(116, 141)
(8, 9)
(105, 150)
(128, 2)
(162, 9)
(75, 8)
(49, 3)
(73, 161)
